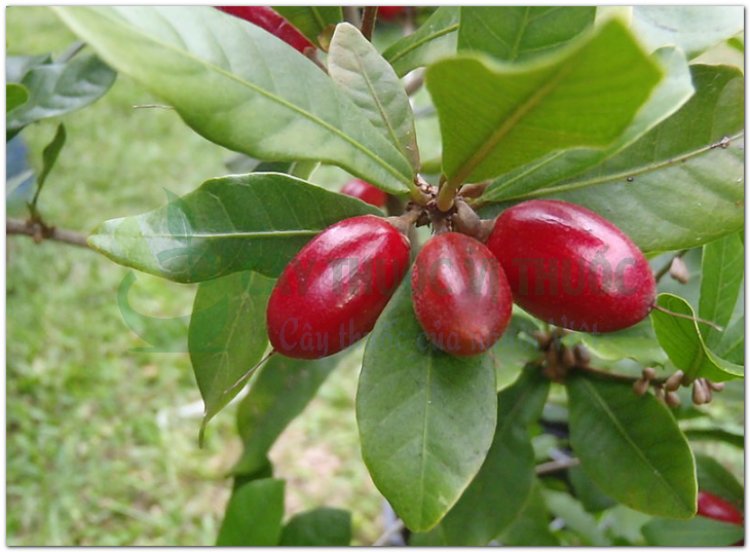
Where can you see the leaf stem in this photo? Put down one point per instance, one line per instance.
(446, 194)
(38, 231)
(368, 21)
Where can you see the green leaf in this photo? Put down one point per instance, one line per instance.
(683, 150)
(715, 479)
(692, 28)
(278, 393)
(362, 73)
(681, 339)
(631, 447)
(516, 348)
(253, 515)
(722, 270)
(498, 492)
(496, 117)
(519, 33)
(227, 335)
(531, 527)
(670, 94)
(426, 418)
(255, 222)
(591, 496)
(59, 88)
(576, 519)
(311, 20)
(319, 527)
(699, 531)
(187, 55)
(716, 434)
(49, 157)
(15, 96)
(732, 344)
(637, 342)
(434, 40)
(17, 66)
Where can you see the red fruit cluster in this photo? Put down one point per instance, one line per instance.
(270, 20)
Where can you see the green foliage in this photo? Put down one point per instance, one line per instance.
(15, 95)
(49, 157)
(698, 531)
(253, 515)
(319, 527)
(311, 20)
(531, 527)
(715, 479)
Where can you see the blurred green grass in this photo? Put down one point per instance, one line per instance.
(88, 462)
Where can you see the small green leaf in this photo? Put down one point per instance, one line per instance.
(716, 479)
(699, 531)
(498, 492)
(16, 67)
(227, 335)
(722, 271)
(426, 418)
(716, 434)
(311, 20)
(253, 515)
(254, 222)
(732, 344)
(518, 33)
(631, 447)
(531, 527)
(516, 348)
(15, 95)
(637, 342)
(434, 40)
(319, 527)
(496, 117)
(239, 86)
(576, 519)
(278, 393)
(49, 157)
(681, 339)
(692, 28)
(362, 73)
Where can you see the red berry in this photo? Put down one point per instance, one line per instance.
(711, 506)
(460, 294)
(330, 295)
(266, 18)
(571, 267)
(389, 13)
(365, 191)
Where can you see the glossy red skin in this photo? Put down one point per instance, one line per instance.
(571, 267)
(365, 191)
(330, 295)
(711, 506)
(389, 13)
(460, 294)
(266, 18)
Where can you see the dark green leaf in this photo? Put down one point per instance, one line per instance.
(362, 73)
(255, 222)
(426, 418)
(253, 515)
(495, 117)
(631, 447)
(716, 479)
(49, 157)
(187, 55)
(699, 531)
(278, 393)
(435, 39)
(227, 335)
(681, 339)
(591, 496)
(693, 28)
(734, 439)
(17, 66)
(59, 88)
(498, 492)
(311, 20)
(722, 270)
(531, 527)
(518, 33)
(15, 95)
(319, 527)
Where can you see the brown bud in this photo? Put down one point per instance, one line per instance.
(673, 399)
(543, 339)
(716, 386)
(649, 373)
(659, 392)
(700, 395)
(678, 270)
(674, 381)
(640, 386)
(568, 358)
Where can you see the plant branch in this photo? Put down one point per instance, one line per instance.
(665, 269)
(556, 465)
(368, 21)
(39, 231)
(351, 15)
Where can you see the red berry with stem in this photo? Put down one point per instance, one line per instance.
(389, 13)
(330, 295)
(365, 191)
(270, 20)
(571, 267)
(460, 294)
(711, 506)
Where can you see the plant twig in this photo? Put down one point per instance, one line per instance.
(38, 231)
(556, 465)
(368, 21)
(351, 15)
(665, 269)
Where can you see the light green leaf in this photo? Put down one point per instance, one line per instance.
(518, 33)
(591, 496)
(434, 40)
(732, 344)
(681, 339)
(253, 515)
(49, 157)
(631, 447)
(516, 348)
(318, 527)
(255, 222)
(239, 86)
(531, 527)
(278, 394)
(494, 118)
(498, 492)
(722, 270)
(426, 418)
(227, 335)
(311, 20)
(15, 96)
(699, 531)
(716, 479)
(692, 28)
(362, 73)
(637, 342)
(716, 434)
(576, 519)
(670, 94)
